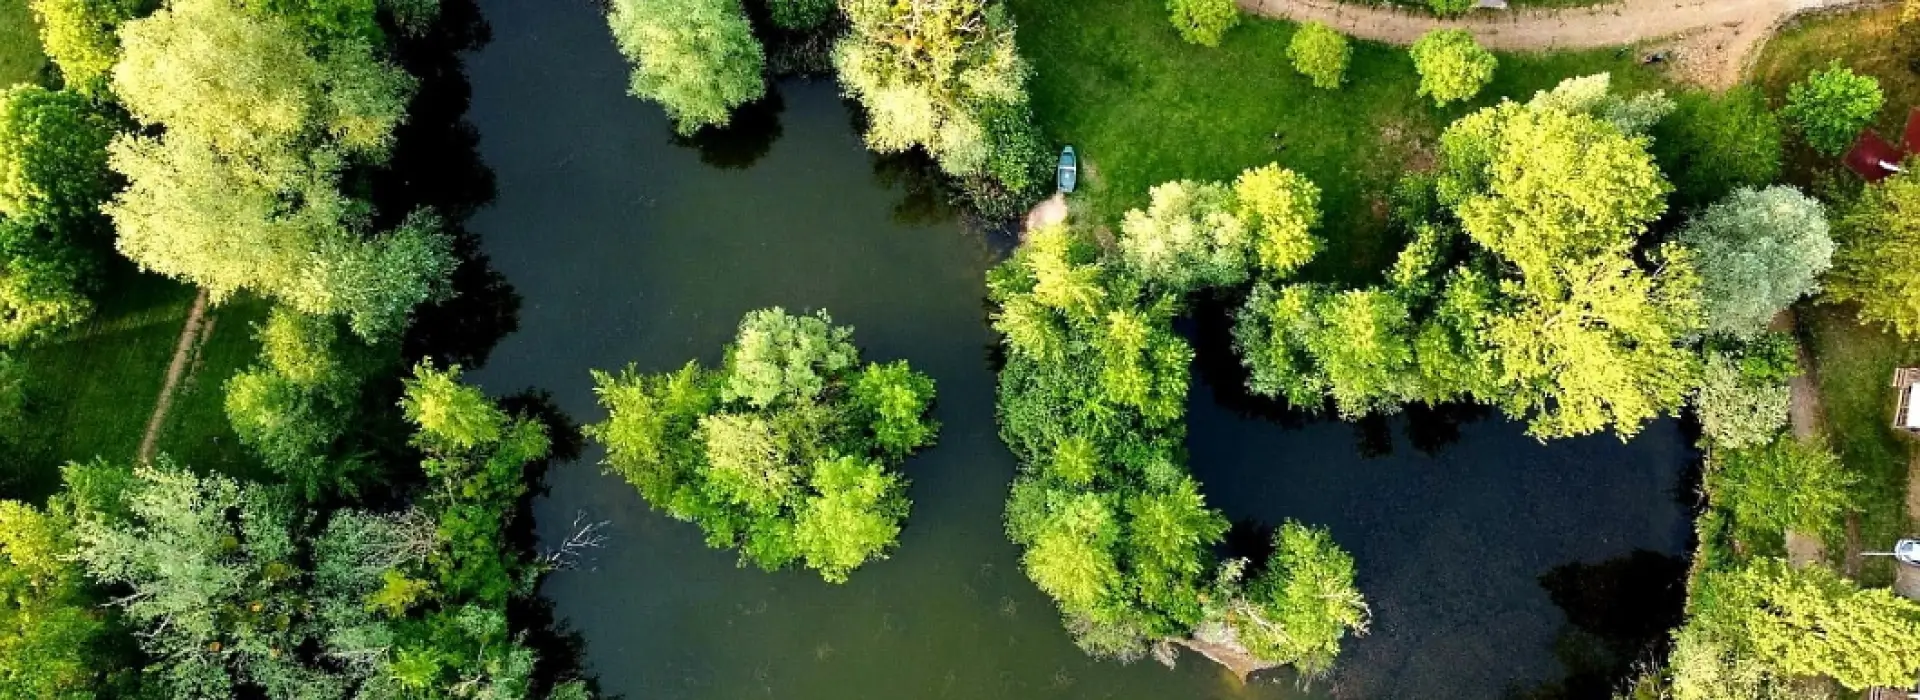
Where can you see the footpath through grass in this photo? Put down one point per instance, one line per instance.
(93, 389)
(1142, 107)
(21, 60)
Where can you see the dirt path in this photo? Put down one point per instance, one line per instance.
(1809, 423)
(190, 336)
(1713, 40)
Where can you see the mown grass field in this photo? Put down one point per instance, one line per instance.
(21, 60)
(1142, 107)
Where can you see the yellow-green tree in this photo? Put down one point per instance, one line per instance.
(1876, 262)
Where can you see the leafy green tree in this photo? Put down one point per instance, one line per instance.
(1812, 622)
(1715, 143)
(1757, 251)
(1321, 54)
(1877, 238)
(1281, 208)
(800, 14)
(780, 357)
(1189, 237)
(1780, 485)
(697, 58)
(79, 37)
(243, 190)
(1299, 610)
(1593, 95)
(1587, 338)
(944, 75)
(42, 283)
(1203, 22)
(1450, 8)
(854, 518)
(896, 397)
(1304, 342)
(1735, 410)
(295, 406)
(1452, 66)
(50, 634)
(53, 155)
(1831, 106)
(784, 454)
(1071, 556)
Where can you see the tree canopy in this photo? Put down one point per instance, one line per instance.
(1831, 106)
(1203, 22)
(697, 58)
(1877, 239)
(786, 453)
(1452, 66)
(79, 37)
(1320, 53)
(1757, 251)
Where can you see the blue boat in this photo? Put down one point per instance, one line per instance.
(1069, 170)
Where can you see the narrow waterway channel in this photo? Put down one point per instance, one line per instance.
(626, 246)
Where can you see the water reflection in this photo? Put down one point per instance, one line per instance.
(747, 138)
(1618, 613)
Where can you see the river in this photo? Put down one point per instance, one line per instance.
(626, 246)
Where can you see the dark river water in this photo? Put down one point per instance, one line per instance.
(1493, 563)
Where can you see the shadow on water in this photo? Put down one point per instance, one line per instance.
(747, 138)
(436, 165)
(1618, 613)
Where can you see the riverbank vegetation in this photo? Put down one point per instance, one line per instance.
(249, 150)
(789, 452)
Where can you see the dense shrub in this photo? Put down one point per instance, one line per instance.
(1321, 54)
(1203, 22)
(1736, 410)
(800, 14)
(1876, 262)
(1785, 484)
(1452, 66)
(1831, 106)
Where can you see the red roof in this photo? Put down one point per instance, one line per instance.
(1870, 152)
(1911, 139)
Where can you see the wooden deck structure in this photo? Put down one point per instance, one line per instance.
(1904, 398)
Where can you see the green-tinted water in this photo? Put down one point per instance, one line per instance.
(629, 248)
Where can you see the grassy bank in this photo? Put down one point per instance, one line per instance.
(1143, 107)
(1855, 363)
(20, 58)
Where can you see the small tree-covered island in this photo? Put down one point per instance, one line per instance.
(317, 315)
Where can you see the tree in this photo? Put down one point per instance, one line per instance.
(1757, 251)
(1736, 410)
(1713, 144)
(53, 156)
(1785, 484)
(785, 454)
(944, 75)
(1304, 342)
(1299, 609)
(1450, 8)
(697, 58)
(1321, 54)
(1811, 622)
(1877, 238)
(298, 403)
(50, 635)
(79, 37)
(1281, 208)
(1188, 238)
(1203, 22)
(1831, 106)
(42, 283)
(1452, 66)
(243, 191)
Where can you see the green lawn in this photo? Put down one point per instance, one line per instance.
(20, 58)
(1143, 107)
(93, 389)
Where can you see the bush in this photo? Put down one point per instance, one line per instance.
(1320, 53)
(1784, 484)
(1203, 22)
(1831, 106)
(1450, 8)
(1452, 66)
(1735, 410)
(1713, 144)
